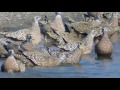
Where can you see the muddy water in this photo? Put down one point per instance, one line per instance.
(89, 67)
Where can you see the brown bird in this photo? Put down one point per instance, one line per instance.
(72, 57)
(114, 21)
(89, 41)
(23, 46)
(21, 34)
(34, 57)
(18, 54)
(50, 26)
(57, 24)
(41, 59)
(104, 47)
(3, 51)
(95, 23)
(11, 65)
(27, 44)
(83, 27)
(24, 60)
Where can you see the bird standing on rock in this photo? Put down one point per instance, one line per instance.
(50, 26)
(57, 24)
(104, 47)
(23, 46)
(20, 35)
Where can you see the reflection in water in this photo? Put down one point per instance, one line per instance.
(114, 38)
(77, 65)
(104, 58)
(88, 57)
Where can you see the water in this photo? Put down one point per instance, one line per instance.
(89, 67)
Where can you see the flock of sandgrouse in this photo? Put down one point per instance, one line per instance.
(51, 43)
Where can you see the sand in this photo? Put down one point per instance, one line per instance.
(12, 21)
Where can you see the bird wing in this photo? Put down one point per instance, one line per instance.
(35, 57)
(19, 35)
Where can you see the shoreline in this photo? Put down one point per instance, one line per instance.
(18, 20)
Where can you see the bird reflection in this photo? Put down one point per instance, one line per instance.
(104, 58)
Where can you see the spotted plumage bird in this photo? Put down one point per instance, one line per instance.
(63, 37)
(40, 59)
(112, 24)
(89, 16)
(49, 26)
(21, 34)
(24, 60)
(69, 46)
(23, 46)
(57, 24)
(104, 47)
(89, 41)
(95, 23)
(83, 27)
(34, 57)
(27, 45)
(11, 65)
(80, 27)
(3, 51)
(114, 20)
(72, 57)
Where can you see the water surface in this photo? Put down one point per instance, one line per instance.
(90, 67)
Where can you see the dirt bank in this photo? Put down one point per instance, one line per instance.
(17, 20)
